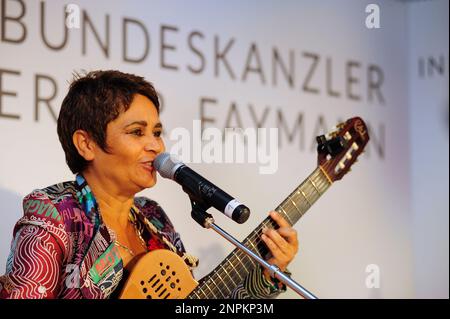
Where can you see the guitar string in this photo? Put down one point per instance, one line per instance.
(247, 260)
(319, 182)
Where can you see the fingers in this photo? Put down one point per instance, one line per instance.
(276, 238)
(284, 238)
(280, 220)
(282, 243)
(290, 235)
(276, 252)
(285, 229)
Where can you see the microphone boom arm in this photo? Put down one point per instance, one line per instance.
(206, 220)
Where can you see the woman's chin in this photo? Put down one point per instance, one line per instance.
(149, 182)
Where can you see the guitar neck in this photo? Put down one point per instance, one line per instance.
(237, 265)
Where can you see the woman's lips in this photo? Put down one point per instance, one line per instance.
(148, 167)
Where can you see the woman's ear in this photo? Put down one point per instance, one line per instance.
(84, 144)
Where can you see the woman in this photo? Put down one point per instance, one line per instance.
(77, 238)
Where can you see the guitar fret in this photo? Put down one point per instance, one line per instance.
(250, 260)
(226, 286)
(237, 265)
(201, 290)
(303, 193)
(313, 184)
(243, 265)
(326, 175)
(214, 282)
(214, 295)
(318, 184)
(296, 207)
(256, 249)
(287, 216)
(312, 195)
(266, 223)
(224, 269)
(323, 182)
(232, 265)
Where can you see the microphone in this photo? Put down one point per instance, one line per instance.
(198, 187)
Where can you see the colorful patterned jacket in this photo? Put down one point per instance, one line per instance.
(62, 249)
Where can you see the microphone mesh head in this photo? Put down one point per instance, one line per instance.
(166, 164)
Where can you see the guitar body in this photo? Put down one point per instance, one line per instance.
(159, 274)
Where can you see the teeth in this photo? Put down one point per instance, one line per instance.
(149, 163)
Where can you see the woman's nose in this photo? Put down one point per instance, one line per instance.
(154, 144)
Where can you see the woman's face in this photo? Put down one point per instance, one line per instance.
(133, 141)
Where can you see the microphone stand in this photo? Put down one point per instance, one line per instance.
(206, 220)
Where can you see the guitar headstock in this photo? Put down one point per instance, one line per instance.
(338, 150)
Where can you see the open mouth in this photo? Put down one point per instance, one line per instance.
(148, 166)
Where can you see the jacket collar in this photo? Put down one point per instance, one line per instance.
(85, 196)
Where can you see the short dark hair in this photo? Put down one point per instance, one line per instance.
(95, 99)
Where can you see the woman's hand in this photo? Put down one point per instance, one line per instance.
(282, 243)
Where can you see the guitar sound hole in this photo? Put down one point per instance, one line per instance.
(157, 289)
(162, 292)
(155, 283)
(151, 279)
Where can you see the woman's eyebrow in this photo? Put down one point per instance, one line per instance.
(143, 123)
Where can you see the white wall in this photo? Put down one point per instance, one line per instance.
(428, 32)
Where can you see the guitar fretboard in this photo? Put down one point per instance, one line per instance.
(237, 265)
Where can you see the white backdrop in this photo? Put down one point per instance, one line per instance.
(364, 219)
(429, 147)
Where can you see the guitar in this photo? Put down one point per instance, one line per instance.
(162, 274)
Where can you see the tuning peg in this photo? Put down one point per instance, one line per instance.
(347, 136)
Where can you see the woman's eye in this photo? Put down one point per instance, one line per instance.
(137, 132)
(157, 133)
